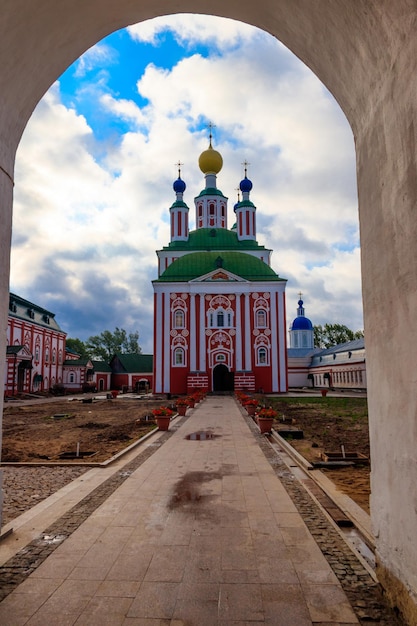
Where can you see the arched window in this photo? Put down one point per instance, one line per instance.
(261, 318)
(178, 357)
(179, 319)
(54, 356)
(46, 355)
(220, 319)
(72, 377)
(262, 356)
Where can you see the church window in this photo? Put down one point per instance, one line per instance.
(304, 340)
(179, 319)
(46, 355)
(262, 356)
(261, 318)
(72, 377)
(211, 209)
(60, 357)
(220, 319)
(54, 357)
(37, 353)
(178, 357)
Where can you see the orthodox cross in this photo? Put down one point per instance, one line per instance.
(210, 126)
(179, 167)
(245, 165)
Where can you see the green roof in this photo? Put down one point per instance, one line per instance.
(194, 265)
(101, 366)
(30, 312)
(210, 191)
(132, 363)
(214, 239)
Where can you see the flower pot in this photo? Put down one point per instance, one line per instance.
(251, 408)
(114, 393)
(324, 392)
(163, 422)
(191, 403)
(265, 424)
(181, 408)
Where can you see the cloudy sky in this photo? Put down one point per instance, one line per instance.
(96, 164)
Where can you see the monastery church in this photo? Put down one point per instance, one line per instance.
(219, 307)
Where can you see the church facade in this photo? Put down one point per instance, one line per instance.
(219, 307)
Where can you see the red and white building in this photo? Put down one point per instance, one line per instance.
(35, 348)
(219, 307)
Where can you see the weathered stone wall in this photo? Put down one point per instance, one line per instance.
(365, 53)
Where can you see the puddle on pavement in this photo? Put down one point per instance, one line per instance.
(201, 435)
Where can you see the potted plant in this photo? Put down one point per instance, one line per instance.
(250, 405)
(162, 417)
(265, 419)
(182, 404)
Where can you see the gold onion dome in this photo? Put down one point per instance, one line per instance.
(210, 161)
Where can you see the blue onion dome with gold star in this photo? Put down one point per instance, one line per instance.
(210, 161)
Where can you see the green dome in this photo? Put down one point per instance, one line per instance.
(197, 264)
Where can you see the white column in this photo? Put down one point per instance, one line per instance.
(193, 337)
(202, 334)
(274, 346)
(248, 336)
(282, 344)
(158, 344)
(238, 327)
(167, 343)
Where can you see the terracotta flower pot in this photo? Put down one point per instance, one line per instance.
(192, 403)
(265, 424)
(181, 408)
(251, 409)
(324, 392)
(114, 393)
(163, 421)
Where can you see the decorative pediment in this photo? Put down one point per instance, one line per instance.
(219, 275)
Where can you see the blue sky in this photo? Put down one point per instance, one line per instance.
(95, 168)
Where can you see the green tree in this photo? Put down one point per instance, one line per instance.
(102, 347)
(78, 346)
(334, 334)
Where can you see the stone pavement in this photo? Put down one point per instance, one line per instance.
(193, 532)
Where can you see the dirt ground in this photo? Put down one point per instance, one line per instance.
(328, 424)
(44, 432)
(56, 430)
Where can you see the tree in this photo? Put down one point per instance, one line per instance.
(102, 347)
(78, 346)
(334, 334)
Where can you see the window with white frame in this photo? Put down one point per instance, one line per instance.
(179, 319)
(178, 357)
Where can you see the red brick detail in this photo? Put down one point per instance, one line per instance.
(244, 381)
(197, 381)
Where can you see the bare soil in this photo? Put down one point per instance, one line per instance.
(98, 430)
(328, 424)
(44, 432)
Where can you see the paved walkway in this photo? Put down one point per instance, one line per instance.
(202, 533)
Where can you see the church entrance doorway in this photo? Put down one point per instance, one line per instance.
(223, 380)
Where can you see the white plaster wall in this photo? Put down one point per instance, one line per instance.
(365, 53)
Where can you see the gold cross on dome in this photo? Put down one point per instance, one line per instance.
(245, 165)
(210, 126)
(300, 295)
(179, 167)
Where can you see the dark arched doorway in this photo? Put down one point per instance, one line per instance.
(223, 379)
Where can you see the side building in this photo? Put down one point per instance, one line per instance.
(35, 348)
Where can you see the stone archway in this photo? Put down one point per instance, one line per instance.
(223, 379)
(366, 55)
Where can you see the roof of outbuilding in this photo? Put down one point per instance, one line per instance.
(132, 362)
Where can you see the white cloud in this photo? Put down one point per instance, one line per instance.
(89, 215)
(191, 29)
